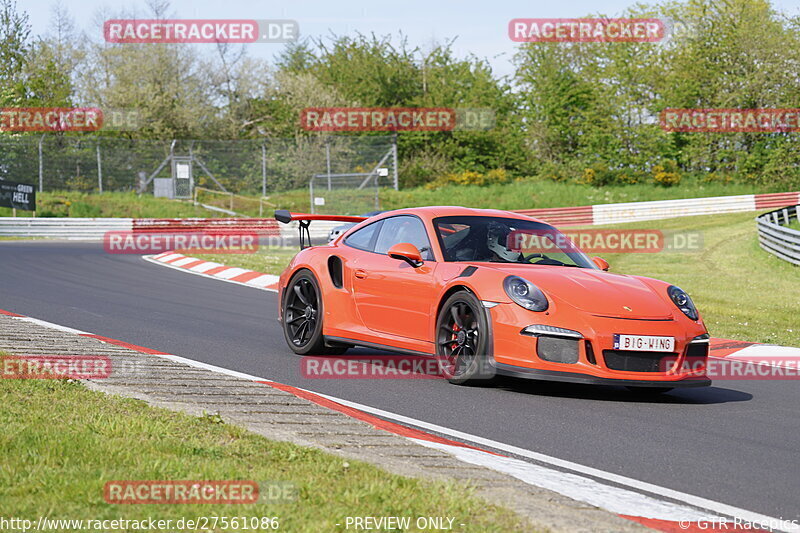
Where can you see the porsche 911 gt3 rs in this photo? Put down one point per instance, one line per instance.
(487, 292)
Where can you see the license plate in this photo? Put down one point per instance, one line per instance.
(644, 343)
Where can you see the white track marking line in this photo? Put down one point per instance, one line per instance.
(48, 324)
(502, 463)
(695, 501)
(608, 497)
(192, 271)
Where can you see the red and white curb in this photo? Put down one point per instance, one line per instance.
(657, 507)
(210, 269)
(786, 357)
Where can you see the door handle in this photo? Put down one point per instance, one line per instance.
(361, 274)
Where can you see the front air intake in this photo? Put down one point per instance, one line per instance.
(557, 350)
(630, 361)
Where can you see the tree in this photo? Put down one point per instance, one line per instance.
(14, 42)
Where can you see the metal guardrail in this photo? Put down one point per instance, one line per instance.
(64, 228)
(777, 239)
(602, 214)
(96, 228)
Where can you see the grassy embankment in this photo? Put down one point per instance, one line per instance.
(110, 204)
(62, 442)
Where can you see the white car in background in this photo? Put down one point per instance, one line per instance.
(338, 230)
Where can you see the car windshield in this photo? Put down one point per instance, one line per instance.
(507, 240)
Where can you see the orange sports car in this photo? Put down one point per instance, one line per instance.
(487, 292)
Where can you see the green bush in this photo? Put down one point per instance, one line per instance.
(423, 168)
(554, 172)
(469, 177)
(666, 174)
(600, 175)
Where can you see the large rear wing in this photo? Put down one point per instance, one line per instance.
(304, 221)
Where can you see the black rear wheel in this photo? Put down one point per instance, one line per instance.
(302, 316)
(462, 335)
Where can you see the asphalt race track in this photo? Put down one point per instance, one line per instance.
(736, 442)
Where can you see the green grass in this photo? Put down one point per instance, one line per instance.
(111, 204)
(61, 442)
(527, 194)
(271, 260)
(743, 292)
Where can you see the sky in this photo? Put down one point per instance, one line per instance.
(479, 27)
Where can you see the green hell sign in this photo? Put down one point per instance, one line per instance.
(17, 195)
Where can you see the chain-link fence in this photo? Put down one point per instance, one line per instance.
(251, 167)
(344, 194)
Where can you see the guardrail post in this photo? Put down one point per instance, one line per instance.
(41, 169)
(263, 170)
(394, 162)
(99, 169)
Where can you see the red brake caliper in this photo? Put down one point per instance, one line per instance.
(456, 329)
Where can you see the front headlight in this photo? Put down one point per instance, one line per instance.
(682, 300)
(525, 293)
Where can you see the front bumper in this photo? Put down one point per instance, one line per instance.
(594, 359)
(573, 377)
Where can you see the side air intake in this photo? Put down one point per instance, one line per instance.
(335, 271)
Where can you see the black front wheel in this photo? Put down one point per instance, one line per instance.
(462, 340)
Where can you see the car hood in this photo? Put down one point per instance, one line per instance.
(597, 292)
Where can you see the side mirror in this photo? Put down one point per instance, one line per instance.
(407, 252)
(601, 263)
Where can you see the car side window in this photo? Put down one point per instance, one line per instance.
(364, 238)
(404, 228)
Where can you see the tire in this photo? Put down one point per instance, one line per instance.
(462, 340)
(302, 312)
